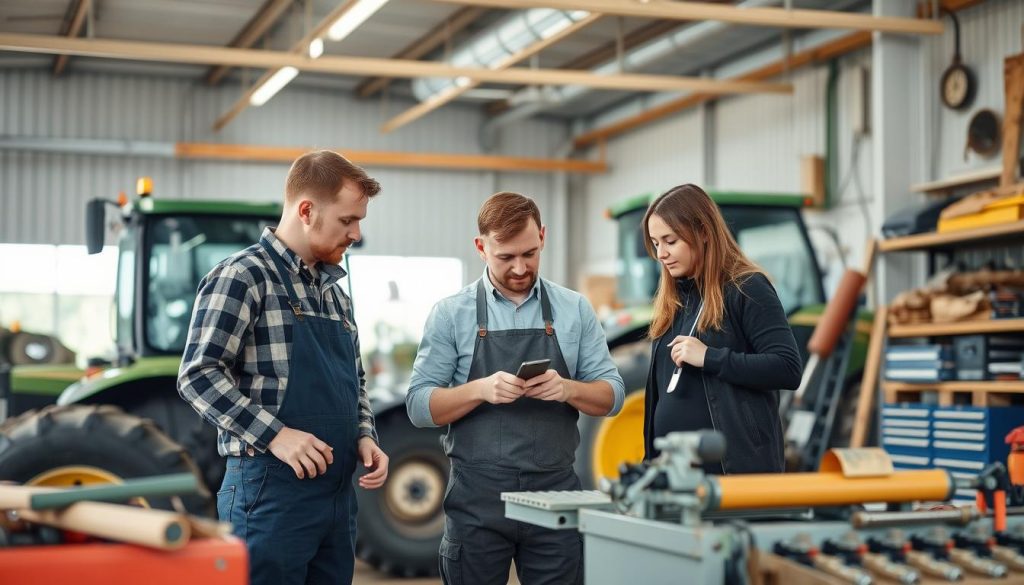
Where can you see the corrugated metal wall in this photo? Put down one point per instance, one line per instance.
(758, 141)
(421, 212)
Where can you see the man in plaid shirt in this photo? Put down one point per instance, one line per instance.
(273, 361)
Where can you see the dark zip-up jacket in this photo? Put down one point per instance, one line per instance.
(748, 360)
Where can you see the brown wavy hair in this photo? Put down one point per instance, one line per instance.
(718, 260)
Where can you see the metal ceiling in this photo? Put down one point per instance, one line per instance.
(396, 25)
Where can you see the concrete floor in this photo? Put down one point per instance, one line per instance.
(365, 575)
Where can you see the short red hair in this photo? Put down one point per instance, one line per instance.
(505, 214)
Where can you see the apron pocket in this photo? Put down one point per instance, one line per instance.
(451, 571)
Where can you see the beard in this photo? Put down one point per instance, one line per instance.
(518, 285)
(323, 251)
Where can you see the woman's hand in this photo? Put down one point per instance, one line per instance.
(688, 350)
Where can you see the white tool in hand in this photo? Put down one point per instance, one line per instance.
(675, 373)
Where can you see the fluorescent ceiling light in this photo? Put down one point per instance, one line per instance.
(353, 17)
(316, 48)
(462, 81)
(273, 85)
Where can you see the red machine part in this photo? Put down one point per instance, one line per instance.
(208, 561)
(1015, 462)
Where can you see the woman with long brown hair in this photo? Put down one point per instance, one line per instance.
(722, 345)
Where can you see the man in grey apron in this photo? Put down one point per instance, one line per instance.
(508, 434)
(273, 361)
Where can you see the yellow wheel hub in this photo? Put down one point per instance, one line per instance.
(73, 476)
(619, 439)
(79, 475)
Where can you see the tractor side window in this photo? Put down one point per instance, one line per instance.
(773, 238)
(181, 251)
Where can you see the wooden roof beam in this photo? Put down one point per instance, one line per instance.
(259, 25)
(435, 38)
(78, 10)
(776, 17)
(202, 54)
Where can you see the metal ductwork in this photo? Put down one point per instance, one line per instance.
(531, 100)
(496, 43)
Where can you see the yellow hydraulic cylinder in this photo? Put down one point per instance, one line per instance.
(800, 490)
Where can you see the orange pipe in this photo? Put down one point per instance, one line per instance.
(797, 490)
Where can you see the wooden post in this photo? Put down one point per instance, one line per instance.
(869, 380)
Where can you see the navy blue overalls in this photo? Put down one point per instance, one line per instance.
(302, 530)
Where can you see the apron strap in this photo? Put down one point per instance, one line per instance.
(283, 274)
(481, 309)
(545, 308)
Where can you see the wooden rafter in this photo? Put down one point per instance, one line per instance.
(837, 48)
(435, 38)
(775, 17)
(384, 158)
(200, 54)
(265, 19)
(78, 10)
(840, 46)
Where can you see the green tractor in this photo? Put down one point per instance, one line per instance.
(126, 419)
(771, 231)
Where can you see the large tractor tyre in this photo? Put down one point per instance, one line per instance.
(607, 442)
(401, 523)
(61, 446)
(184, 425)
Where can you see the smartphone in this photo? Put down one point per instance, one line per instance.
(532, 369)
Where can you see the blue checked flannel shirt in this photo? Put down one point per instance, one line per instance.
(235, 368)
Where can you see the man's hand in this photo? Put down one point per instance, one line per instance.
(306, 454)
(689, 350)
(549, 386)
(501, 388)
(376, 463)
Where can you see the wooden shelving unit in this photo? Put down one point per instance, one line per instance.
(1008, 386)
(977, 393)
(930, 241)
(961, 328)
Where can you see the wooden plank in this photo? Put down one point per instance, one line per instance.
(435, 38)
(944, 186)
(1013, 78)
(1005, 386)
(378, 158)
(774, 17)
(200, 54)
(81, 10)
(836, 48)
(962, 328)
(265, 18)
(869, 380)
(938, 240)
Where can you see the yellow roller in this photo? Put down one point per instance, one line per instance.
(800, 490)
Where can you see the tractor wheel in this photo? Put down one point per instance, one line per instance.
(401, 523)
(31, 348)
(184, 426)
(606, 443)
(61, 446)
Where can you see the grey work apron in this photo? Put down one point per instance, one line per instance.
(530, 445)
(302, 530)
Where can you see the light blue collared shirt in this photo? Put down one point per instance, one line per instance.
(449, 336)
